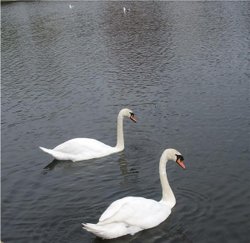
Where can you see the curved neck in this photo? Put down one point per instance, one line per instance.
(167, 193)
(120, 136)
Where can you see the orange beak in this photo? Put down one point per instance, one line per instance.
(132, 118)
(181, 163)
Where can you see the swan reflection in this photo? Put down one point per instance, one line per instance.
(54, 163)
(127, 172)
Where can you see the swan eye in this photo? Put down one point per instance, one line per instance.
(180, 157)
(132, 114)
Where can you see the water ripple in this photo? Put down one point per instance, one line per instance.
(182, 68)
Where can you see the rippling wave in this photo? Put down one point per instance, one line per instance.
(66, 72)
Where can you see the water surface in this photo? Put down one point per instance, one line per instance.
(182, 67)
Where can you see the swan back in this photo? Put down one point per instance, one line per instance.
(130, 211)
(129, 215)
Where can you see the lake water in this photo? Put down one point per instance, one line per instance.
(182, 67)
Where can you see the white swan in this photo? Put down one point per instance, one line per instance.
(86, 148)
(130, 215)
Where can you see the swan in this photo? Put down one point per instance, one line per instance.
(86, 148)
(130, 215)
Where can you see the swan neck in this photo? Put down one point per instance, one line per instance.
(120, 136)
(167, 193)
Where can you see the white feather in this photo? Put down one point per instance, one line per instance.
(130, 215)
(87, 148)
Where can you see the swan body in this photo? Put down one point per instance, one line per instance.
(87, 148)
(77, 149)
(130, 215)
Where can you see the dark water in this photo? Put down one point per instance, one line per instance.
(183, 67)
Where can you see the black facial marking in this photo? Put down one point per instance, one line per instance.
(180, 157)
(132, 114)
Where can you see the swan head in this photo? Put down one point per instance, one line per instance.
(173, 154)
(128, 113)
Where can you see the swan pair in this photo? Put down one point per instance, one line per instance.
(128, 215)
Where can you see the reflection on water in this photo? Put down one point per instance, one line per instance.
(124, 168)
(55, 163)
(66, 72)
(129, 174)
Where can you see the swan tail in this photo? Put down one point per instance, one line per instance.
(111, 230)
(48, 151)
(56, 154)
(95, 229)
